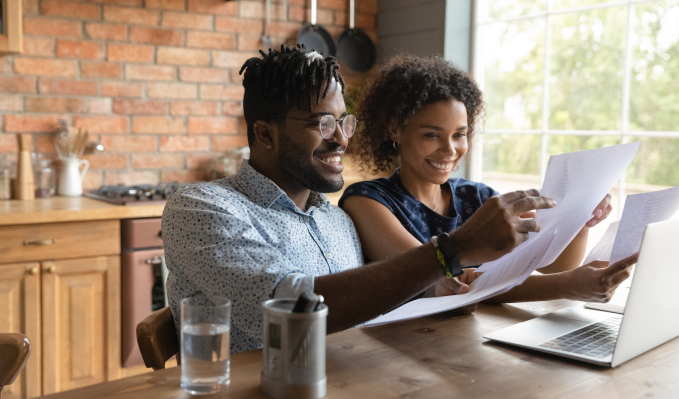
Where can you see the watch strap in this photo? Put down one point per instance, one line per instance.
(449, 254)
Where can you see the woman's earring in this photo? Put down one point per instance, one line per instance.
(395, 144)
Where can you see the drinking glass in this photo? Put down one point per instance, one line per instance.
(7, 176)
(205, 330)
(45, 178)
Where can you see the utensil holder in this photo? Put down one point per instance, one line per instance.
(294, 351)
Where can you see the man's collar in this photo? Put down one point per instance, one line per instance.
(264, 192)
(319, 200)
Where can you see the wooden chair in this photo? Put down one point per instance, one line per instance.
(157, 339)
(14, 352)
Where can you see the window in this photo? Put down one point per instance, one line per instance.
(568, 75)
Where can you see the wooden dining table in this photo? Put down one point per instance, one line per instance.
(440, 356)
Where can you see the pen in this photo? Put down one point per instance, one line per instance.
(307, 303)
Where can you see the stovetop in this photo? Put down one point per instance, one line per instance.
(143, 194)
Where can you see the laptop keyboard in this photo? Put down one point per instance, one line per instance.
(595, 340)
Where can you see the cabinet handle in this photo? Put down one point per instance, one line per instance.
(51, 269)
(33, 271)
(39, 242)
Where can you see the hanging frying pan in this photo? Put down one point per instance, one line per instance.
(266, 39)
(355, 49)
(315, 36)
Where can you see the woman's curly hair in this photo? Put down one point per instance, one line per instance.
(399, 88)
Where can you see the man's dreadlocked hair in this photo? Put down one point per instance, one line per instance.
(282, 79)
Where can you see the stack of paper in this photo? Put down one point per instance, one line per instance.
(623, 238)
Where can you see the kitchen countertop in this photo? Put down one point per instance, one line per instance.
(71, 209)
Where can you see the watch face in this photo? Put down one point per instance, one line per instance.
(446, 245)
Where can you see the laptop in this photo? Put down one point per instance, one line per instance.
(650, 317)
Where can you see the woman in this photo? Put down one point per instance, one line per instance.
(424, 110)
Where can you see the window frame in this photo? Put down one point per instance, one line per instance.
(477, 67)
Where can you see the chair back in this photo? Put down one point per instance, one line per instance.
(14, 352)
(157, 339)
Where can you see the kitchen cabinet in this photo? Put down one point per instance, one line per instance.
(80, 322)
(20, 312)
(60, 286)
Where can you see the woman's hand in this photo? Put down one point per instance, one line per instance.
(456, 285)
(596, 281)
(601, 211)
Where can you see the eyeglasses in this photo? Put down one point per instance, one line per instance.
(327, 125)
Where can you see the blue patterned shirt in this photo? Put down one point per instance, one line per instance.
(242, 238)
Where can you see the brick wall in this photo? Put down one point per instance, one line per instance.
(155, 81)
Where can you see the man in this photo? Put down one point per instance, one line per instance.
(268, 232)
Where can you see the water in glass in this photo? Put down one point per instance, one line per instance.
(205, 358)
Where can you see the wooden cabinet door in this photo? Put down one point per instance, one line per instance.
(20, 313)
(80, 322)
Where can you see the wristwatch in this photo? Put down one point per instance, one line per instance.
(449, 254)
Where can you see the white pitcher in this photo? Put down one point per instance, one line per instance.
(71, 178)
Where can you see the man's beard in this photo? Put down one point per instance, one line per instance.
(293, 160)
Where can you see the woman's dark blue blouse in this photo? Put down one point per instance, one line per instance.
(417, 218)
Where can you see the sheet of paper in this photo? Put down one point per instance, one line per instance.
(578, 182)
(623, 238)
(491, 283)
(639, 211)
(602, 250)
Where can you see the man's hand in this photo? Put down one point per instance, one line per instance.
(601, 211)
(497, 227)
(596, 281)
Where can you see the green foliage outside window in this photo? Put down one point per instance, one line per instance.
(585, 84)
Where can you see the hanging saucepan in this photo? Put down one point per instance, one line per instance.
(315, 36)
(355, 49)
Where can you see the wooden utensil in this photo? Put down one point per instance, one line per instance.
(71, 142)
(79, 144)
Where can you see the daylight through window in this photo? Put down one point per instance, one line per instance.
(568, 75)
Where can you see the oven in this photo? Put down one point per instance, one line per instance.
(143, 276)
